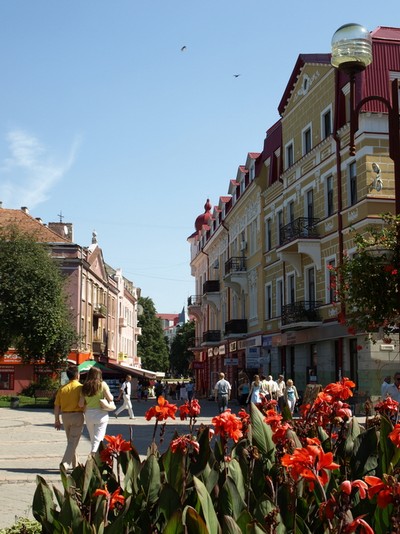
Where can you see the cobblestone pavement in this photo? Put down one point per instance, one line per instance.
(30, 446)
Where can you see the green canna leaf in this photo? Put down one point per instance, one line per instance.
(195, 523)
(43, 507)
(174, 468)
(150, 478)
(229, 526)
(175, 524)
(207, 506)
(261, 432)
(230, 500)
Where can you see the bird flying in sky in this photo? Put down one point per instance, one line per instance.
(183, 48)
(236, 75)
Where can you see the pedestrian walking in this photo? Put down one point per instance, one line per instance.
(125, 394)
(385, 385)
(190, 390)
(66, 405)
(222, 392)
(254, 395)
(291, 395)
(93, 390)
(393, 390)
(280, 392)
(243, 391)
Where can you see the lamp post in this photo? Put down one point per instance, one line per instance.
(352, 53)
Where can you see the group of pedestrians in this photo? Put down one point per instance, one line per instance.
(261, 387)
(78, 403)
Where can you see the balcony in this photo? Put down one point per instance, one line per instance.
(212, 336)
(211, 286)
(211, 294)
(195, 344)
(122, 322)
(301, 314)
(236, 327)
(236, 274)
(300, 237)
(194, 306)
(98, 347)
(100, 311)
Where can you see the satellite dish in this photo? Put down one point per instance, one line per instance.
(65, 230)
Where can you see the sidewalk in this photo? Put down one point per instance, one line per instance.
(30, 446)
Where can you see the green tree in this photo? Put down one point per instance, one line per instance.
(34, 316)
(152, 347)
(181, 356)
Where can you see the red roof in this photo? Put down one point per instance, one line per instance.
(26, 223)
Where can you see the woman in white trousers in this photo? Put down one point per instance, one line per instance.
(96, 419)
(125, 392)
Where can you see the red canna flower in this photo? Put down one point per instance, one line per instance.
(116, 445)
(310, 463)
(189, 409)
(358, 522)
(395, 435)
(381, 489)
(114, 498)
(340, 390)
(228, 425)
(273, 419)
(162, 410)
(184, 444)
(347, 486)
(387, 406)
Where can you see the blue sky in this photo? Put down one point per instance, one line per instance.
(106, 120)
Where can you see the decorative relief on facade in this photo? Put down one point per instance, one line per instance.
(253, 277)
(268, 259)
(353, 214)
(306, 84)
(329, 226)
(332, 312)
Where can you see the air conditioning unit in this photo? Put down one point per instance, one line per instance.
(243, 245)
(216, 264)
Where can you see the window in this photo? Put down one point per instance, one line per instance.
(279, 297)
(353, 183)
(253, 297)
(310, 278)
(6, 380)
(289, 155)
(326, 124)
(291, 211)
(307, 140)
(280, 226)
(310, 204)
(291, 289)
(268, 302)
(329, 196)
(331, 281)
(268, 234)
(252, 172)
(253, 237)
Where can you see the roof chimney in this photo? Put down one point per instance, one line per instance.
(25, 209)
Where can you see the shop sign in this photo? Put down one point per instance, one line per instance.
(233, 346)
(7, 369)
(209, 353)
(10, 358)
(221, 349)
(231, 361)
(253, 357)
(197, 365)
(267, 341)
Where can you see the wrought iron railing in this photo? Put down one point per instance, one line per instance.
(211, 336)
(236, 326)
(301, 312)
(211, 286)
(235, 264)
(301, 228)
(194, 300)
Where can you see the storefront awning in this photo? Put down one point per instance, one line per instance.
(88, 364)
(135, 371)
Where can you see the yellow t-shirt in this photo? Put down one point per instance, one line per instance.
(94, 401)
(67, 397)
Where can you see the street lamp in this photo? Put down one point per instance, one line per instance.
(352, 53)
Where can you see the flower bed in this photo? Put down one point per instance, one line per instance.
(260, 471)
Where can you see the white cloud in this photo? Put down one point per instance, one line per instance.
(30, 171)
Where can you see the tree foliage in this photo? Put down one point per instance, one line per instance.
(152, 348)
(181, 356)
(367, 284)
(34, 316)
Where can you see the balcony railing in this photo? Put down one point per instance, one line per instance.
(235, 265)
(194, 300)
(212, 336)
(236, 326)
(98, 347)
(211, 286)
(99, 310)
(304, 311)
(301, 228)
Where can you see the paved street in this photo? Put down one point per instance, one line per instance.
(30, 446)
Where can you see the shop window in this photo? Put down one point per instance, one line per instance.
(6, 380)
